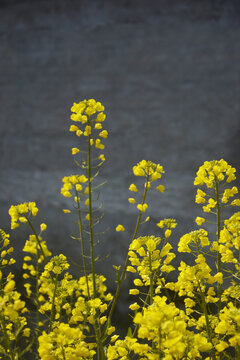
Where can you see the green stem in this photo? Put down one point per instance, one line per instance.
(6, 337)
(219, 289)
(37, 299)
(91, 218)
(53, 303)
(82, 243)
(159, 343)
(127, 259)
(37, 238)
(63, 353)
(208, 326)
(151, 278)
(96, 324)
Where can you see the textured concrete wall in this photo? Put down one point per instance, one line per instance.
(168, 75)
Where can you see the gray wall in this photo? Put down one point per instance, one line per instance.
(168, 75)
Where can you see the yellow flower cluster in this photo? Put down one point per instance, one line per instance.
(64, 342)
(83, 113)
(151, 172)
(11, 305)
(194, 278)
(229, 326)
(211, 173)
(169, 224)
(49, 288)
(21, 212)
(5, 251)
(229, 242)
(148, 169)
(13, 323)
(123, 349)
(146, 258)
(72, 182)
(214, 170)
(197, 238)
(166, 326)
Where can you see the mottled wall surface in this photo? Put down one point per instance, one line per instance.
(168, 75)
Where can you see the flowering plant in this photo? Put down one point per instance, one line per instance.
(59, 317)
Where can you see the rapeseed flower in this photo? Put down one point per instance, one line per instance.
(21, 212)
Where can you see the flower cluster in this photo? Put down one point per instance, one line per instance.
(5, 251)
(166, 327)
(211, 174)
(64, 342)
(83, 113)
(229, 242)
(229, 327)
(146, 257)
(73, 182)
(21, 213)
(13, 322)
(214, 170)
(195, 239)
(151, 172)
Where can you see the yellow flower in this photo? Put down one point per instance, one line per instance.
(102, 320)
(138, 282)
(66, 211)
(132, 201)
(43, 227)
(199, 220)
(133, 291)
(221, 346)
(98, 126)
(79, 132)
(101, 117)
(142, 207)
(73, 128)
(131, 269)
(110, 330)
(99, 145)
(138, 171)
(75, 151)
(134, 306)
(160, 188)
(167, 233)
(102, 157)
(87, 131)
(120, 228)
(26, 332)
(9, 286)
(133, 187)
(104, 134)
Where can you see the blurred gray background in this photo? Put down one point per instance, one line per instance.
(168, 73)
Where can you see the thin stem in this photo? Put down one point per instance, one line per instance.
(82, 242)
(53, 303)
(208, 326)
(63, 353)
(151, 278)
(91, 218)
(96, 324)
(127, 258)
(6, 337)
(37, 238)
(37, 298)
(219, 290)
